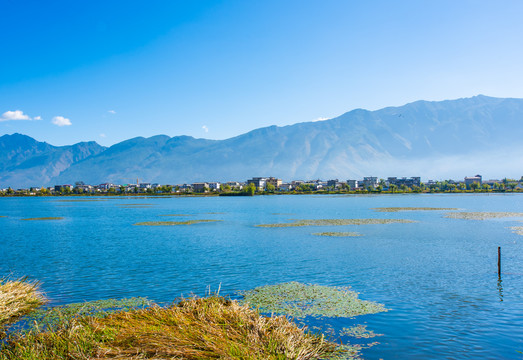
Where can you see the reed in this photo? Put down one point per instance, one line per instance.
(198, 328)
(18, 298)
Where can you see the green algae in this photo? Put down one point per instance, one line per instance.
(177, 215)
(397, 209)
(300, 300)
(482, 215)
(339, 234)
(173, 223)
(359, 331)
(337, 222)
(44, 218)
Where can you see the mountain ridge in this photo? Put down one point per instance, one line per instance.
(422, 138)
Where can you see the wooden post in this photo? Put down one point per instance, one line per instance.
(499, 261)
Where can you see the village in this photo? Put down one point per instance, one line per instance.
(264, 185)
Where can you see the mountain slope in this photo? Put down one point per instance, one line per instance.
(25, 162)
(446, 139)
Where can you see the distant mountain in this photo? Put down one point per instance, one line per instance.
(25, 162)
(446, 139)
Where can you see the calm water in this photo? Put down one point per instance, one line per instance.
(438, 275)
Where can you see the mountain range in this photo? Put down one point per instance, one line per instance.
(444, 139)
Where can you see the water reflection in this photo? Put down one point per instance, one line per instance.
(500, 288)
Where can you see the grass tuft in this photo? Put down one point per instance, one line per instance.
(198, 328)
(18, 298)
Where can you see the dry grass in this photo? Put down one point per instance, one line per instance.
(199, 328)
(173, 223)
(44, 218)
(336, 222)
(482, 215)
(397, 209)
(17, 298)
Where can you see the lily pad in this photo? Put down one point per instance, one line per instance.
(359, 331)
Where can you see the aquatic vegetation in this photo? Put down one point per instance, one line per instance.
(340, 234)
(18, 298)
(299, 300)
(397, 209)
(177, 215)
(482, 215)
(132, 206)
(44, 218)
(199, 328)
(337, 222)
(359, 331)
(173, 223)
(2, 216)
(517, 230)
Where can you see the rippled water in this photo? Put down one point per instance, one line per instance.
(437, 276)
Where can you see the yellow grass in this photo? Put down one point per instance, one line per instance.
(199, 328)
(17, 298)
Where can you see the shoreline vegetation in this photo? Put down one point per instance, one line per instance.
(212, 327)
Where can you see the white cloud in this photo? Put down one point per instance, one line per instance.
(320, 119)
(37, 118)
(61, 121)
(205, 128)
(102, 135)
(14, 115)
(111, 112)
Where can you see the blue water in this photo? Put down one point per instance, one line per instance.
(437, 276)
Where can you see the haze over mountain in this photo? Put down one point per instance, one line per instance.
(446, 139)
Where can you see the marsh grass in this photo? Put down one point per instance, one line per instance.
(336, 222)
(18, 298)
(339, 234)
(299, 300)
(198, 328)
(482, 215)
(44, 218)
(397, 209)
(173, 223)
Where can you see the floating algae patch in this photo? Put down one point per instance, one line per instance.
(337, 222)
(177, 215)
(517, 230)
(173, 223)
(359, 331)
(299, 300)
(44, 218)
(50, 317)
(482, 215)
(340, 234)
(397, 209)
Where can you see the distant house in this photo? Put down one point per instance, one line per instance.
(274, 182)
(259, 182)
(200, 187)
(286, 187)
(234, 185)
(472, 179)
(409, 182)
(214, 186)
(352, 184)
(59, 188)
(370, 181)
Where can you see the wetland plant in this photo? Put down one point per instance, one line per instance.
(482, 215)
(339, 234)
(397, 209)
(198, 328)
(18, 298)
(44, 218)
(173, 223)
(336, 222)
(299, 300)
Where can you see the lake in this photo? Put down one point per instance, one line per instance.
(437, 275)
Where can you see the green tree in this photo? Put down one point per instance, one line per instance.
(393, 188)
(249, 189)
(270, 187)
(512, 185)
(474, 186)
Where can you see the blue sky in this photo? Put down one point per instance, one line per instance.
(110, 70)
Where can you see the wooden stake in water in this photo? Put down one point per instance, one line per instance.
(499, 261)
